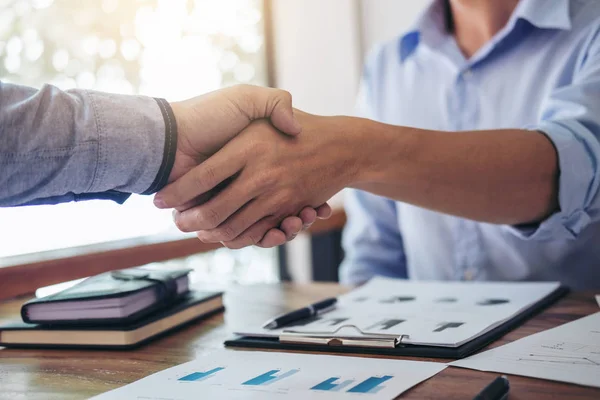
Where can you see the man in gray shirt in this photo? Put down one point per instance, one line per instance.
(59, 146)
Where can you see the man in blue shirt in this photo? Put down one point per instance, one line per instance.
(480, 127)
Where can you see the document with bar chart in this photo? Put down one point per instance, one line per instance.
(230, 374)
(426, 313)
(567, 353)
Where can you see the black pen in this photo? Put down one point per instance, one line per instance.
(497, 390)
(303, 313)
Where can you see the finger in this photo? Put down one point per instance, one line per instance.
(324, 211)
(219, 217)
(196, 201)
(205, 197)
(291, 226)
(201, 179)
(275, 104)
(273, 238)
(257, 232)
(236, 223)
(308, 215)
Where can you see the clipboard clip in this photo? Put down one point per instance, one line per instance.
(339, 341)
(331, 338)
(346, 326)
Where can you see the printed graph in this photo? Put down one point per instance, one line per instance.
(572, 360)
(200, 376)
(448, 325)
(397, 299)
(386, 324)
(329, 385)
(270, 377)
(370, 385)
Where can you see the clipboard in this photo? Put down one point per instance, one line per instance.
(338, 345)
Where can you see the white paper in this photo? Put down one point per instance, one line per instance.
(429, 313)
(230, 374)
(568, 353)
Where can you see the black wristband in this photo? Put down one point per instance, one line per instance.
(162, 177)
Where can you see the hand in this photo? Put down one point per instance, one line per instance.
(207, 122)
(289, 229)
(275, 176)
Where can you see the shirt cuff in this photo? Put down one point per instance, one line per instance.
(137, 138)
(170, 148)
(576, 185)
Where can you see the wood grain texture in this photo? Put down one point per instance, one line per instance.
(76, 374)
(19, 280)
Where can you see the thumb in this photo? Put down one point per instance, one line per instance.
(282, 113)
(275, 104)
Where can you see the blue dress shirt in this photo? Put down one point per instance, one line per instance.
(59, 146)
(540, 72)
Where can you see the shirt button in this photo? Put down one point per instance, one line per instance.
(468, 73)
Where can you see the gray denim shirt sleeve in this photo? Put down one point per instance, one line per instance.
(58, 146)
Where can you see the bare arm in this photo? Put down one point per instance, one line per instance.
(503, 176)
(506, 176)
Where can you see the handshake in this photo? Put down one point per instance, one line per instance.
(251, 170)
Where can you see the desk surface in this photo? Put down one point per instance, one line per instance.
(76, 374)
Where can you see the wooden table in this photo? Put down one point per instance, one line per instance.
(76, 374)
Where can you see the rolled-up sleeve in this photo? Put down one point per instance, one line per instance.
(58, 146)
(571, 120)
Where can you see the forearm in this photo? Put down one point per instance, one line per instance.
(56, 145)
(506, 176)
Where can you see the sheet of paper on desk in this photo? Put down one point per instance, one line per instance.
(430, 313)
(568, 353)
(230, 374)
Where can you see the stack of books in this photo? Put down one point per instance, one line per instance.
(118, 309)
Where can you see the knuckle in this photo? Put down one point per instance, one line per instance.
(227, 233)
(285, 95)
(286, 198)
(244, 87)
(246, 240)
(207, 218)
(206, 178)
(181, 223)
(265, 179)
(234, 244)
(254, 238)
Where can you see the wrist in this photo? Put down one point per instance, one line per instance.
(384, 152)
(367, 145)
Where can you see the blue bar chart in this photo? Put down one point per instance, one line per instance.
(370, 385)
(329, 385)
(270, 377)
(199, 376)
(229, 374)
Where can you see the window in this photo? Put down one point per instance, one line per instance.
(173, 49)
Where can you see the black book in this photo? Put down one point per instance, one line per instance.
(195, 305)
(115, 297)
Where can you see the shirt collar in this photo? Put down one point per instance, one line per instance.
(431, 26)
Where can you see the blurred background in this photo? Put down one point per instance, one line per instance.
(177, 49)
